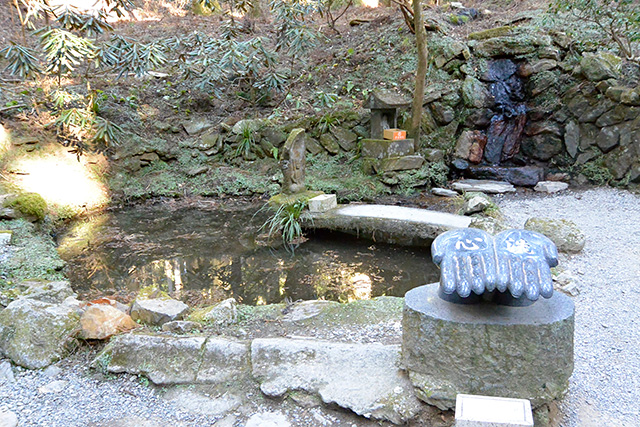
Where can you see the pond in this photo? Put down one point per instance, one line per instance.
(209, 251)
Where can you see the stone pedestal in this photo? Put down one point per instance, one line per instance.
(486, 349)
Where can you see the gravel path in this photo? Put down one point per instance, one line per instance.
(605, 386)
(604, 389)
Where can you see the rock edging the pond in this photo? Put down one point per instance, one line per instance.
(364, 378)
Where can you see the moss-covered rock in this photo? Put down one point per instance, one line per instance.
(564, 233)
(31, 205)
(35, 334)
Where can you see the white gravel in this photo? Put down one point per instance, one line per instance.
(605, 387)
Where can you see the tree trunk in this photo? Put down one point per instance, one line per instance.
(421, 72)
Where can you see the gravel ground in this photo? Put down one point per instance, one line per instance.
(604, 388)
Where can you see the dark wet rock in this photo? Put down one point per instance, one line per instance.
(460, 165)
(504, 138)
(525, 176)
(535, 128)
(620, 161)
(542, 147)
(479, 117)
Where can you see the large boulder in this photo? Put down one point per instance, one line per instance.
(365, 378)
(35, 334)
(564, 233)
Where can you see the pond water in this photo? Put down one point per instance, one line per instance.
(209, 253)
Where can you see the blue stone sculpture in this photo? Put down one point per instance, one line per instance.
(512, 268)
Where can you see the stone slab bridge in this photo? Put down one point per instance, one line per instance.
(390, 224)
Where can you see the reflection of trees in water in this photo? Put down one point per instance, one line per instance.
(209, 266)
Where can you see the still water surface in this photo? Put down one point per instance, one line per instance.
(209, 254)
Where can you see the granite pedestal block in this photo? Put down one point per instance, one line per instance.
(487, 349)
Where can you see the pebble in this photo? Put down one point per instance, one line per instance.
(8, 419)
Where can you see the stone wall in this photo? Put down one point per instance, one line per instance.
(583, 109)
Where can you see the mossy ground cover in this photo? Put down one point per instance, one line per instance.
(32, 255)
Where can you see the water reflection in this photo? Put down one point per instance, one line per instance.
(211, 255)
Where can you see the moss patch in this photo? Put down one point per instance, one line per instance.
(30, 205)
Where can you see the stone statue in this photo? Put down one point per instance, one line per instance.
(293, 163)
(513, 268)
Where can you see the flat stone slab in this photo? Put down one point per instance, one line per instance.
(487, 349)
(391, 224)
(489, 411)
(384, 148)
(483, 185)
(176, 360)
(365, 378)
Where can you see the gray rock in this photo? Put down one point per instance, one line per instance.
(443, 192)
(346, 139)
(176, 360)
(595, 111)
(550, 186)
(475, 94)
(542, 147)
(476, 202)
(223, 313)
(275, 136)
(34, 334)
(393, 224)
(599, 66)
(483, 186)
(181, 327)
(196, 126)
(509, 46)
(620, 160)
(6, 373)
(268, 419)
(608, 138)
(572, 138)
(253, 125)
(434, 155)
(443, 114)
(618, 114)
(53, 387)
(564, 233)
(329, 143)
(306, 310)
(8, 419)
(525, 352)
(470, 145)
(52, 371)
(46, 291)
(196, 403)
(312, 145)
(364, 378)
(158, 311)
